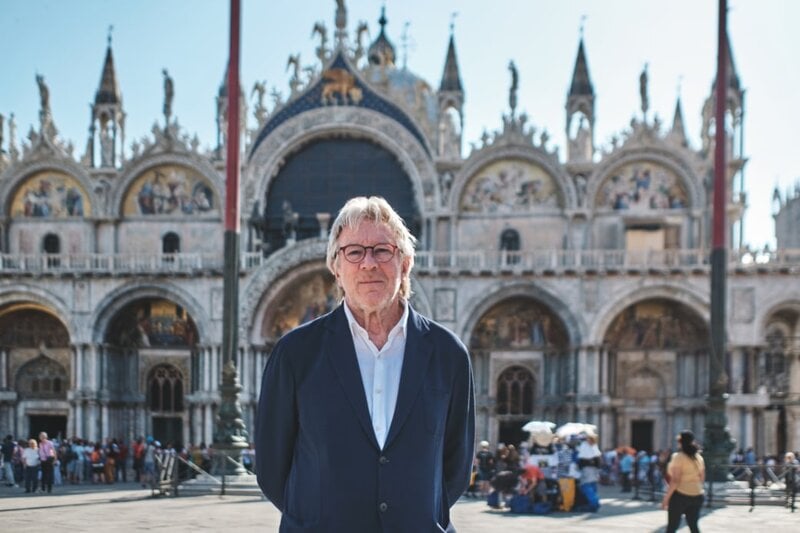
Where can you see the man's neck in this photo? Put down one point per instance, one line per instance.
(378, 323)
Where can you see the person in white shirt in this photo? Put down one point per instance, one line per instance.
(30, 460)
(366, 420)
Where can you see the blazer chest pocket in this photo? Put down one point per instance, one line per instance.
(435, 402)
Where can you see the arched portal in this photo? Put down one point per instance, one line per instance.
(523, 348)
(303, 299)
(34, 347)
(151, 359)
(657, 355)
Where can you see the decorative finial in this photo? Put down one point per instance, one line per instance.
(512, 92)
(453, 16)
(405, 42)
(382, 21)
(583, 23)
(680, 82)
(341, 21)
(110, 29)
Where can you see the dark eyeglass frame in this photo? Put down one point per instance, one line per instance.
(363, 250)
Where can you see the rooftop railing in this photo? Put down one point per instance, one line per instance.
(427, 262)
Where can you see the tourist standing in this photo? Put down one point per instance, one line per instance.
(687, 472)
(47, 460)
(30, 461)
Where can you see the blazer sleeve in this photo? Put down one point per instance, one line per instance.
(276, 425)
(459, 439)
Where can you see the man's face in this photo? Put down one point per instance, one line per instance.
(369, 286)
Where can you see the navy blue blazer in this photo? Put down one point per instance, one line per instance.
(317, 458)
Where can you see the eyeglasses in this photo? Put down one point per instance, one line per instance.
(355, 253)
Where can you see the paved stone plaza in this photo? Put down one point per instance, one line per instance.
(125, 507)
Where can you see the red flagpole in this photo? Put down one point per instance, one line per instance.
(232, 158)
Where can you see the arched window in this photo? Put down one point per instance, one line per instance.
(51, 245)
(165, 390)
(171, 243)
(509, 244)
(515, 392)
(41, 378)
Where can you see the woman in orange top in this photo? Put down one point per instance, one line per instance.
(687, 472)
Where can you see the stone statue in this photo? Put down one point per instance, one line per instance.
(643, 90)
(512, 93)
(260, 111)
(341, 15)
(44, 94)
(169, 93)
(322, 31)
(289, 220)
(294, 63)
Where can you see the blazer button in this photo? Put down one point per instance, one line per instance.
(383, 507)
(383, 460)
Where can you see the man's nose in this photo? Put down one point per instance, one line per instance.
(369, 260)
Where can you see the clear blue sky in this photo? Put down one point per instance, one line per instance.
(65, 41)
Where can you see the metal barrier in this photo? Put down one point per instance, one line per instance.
(166, 481)
(760, 484)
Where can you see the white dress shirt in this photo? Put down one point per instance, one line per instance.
(380, 371)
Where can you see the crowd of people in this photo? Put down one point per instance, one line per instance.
(36, 465)
(564, 474)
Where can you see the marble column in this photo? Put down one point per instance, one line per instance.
(3, 369)
(208, 421)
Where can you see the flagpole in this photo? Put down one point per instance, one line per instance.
(717, 442)
(231, 435)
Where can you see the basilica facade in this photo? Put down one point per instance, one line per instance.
(578, 280)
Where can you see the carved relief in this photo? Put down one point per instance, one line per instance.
(339, 85)
(743, 305)
(445, 304)
(508, 186)
(50, 194)
(641, 186)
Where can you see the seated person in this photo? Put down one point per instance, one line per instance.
(532, 483)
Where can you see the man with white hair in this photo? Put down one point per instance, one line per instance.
(366, 420)
(47, 457)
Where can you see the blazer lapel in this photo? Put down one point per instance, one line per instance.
(415, 363)
(342, 356)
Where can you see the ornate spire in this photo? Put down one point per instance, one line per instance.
(581, 83)
(645, 100)
(108, 90)
(678, 131)
(730, 69)
(381, 52)
(451, 77)
(341, 22)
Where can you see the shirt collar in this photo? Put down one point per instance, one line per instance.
(402, 324)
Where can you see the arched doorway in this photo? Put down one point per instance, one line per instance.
(657, 355)
(165, 390)
(514, 403)
(522, 347)
(151, 342)
(777, 373)
(34, 347)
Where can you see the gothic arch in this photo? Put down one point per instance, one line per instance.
(527, 154)
(789, 304)
(42, 378)
(118, 299)
(338, 121)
